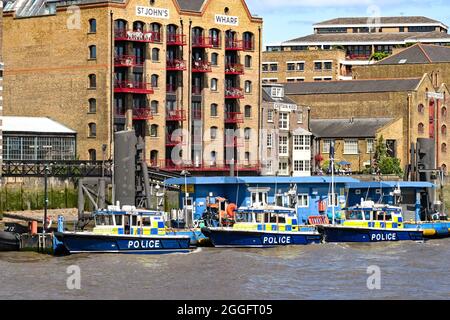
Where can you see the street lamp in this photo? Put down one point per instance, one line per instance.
(185, 173)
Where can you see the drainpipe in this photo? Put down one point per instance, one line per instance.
(260, 126)
(111, 119)
(408, 135)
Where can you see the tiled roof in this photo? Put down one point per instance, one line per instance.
(268, 98)
(419, 54)
(352, 86)
(191, 5)
(347, 128)
(395, 37)
(383, 20)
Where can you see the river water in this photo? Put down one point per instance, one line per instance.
(408, 270)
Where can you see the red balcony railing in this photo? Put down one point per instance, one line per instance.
(176, 65)
(171, 88)
(127, 61)
(231, 44)
(212, 165)
(175, 115)
(202, 42)
(175, 39)
(249, 45)
(234, 93)
(133, 87)
(142, 114)
(215, 42)
(197, 90)
(234, 117)
(352, 56)
(233, 142)
(201, 66)
(234, 68)
(137, 36)
(174, 140)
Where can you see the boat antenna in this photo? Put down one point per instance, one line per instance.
(332, 182)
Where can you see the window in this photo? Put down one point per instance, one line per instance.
(283, 121)
(273, 67)
(283, 147)
(326, 145)
(444, 148)
(302, 165)
(265, 67)
(351, 146)
(318, 66)
(154, 106)
(444, 130)
(303, 200)
(215, 37)
(92, 26)
(328, 66)
(248, 86)
(155, 54)
(300, 66)
(214, 59)
(421, 128)
(270, 115)
(92, 130)
(214, 84)
(92, 81)
(92, 106)
(444, 113)
(154, 157)
(258, 198)
(154, 80)
(420, 108)
(283, 168)
(300, 116)
(247, 133)
(153, 130)
(248, 111)
(213, 158)
(291, 67)
(332, 198)
(269, 166)
(92, 155)
(92, 52)
(277, 92)
(213, 133)
(248, 61)
(370, 145)
(247, 157)
(269, 140)
(213, 110)
(302, 142)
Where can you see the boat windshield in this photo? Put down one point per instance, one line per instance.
(244, 217)
(104, 220)
(354, 215)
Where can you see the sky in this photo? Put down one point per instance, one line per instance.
(289, 19)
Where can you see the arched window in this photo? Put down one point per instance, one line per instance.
(247, 133)
(214, 59)
(444, 148)
(215, 37)
(92, 26)
(155, 54)
(444, 168)
(444, 112)
(213, 158)
(154, 130)
(421, 128)
(420, 108)
(214, 110)
(172, 33)
(92, 106)
(248, 61)
(214, 85)
(92, 130)
(154, 106)
(444, 130)
(92, 81)
(249, 41)
(155, 78)
(214, 133)
(247, 158)
(197, 36)
(92, 155)
(248, 111)
(248, 86)
(138, 26)
(154, 158)
(120, 25)
(92, 52)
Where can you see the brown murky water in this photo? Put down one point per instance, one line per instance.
(330, 271)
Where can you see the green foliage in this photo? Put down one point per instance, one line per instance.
(384, 163)
(326, 166)
(377, 56)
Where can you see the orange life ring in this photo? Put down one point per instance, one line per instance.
(231, 211)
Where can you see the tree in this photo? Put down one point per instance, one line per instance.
(377, 56)
(383, 162)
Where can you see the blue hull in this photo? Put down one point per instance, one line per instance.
(244, 239)
(91, 243)
(349, 234)
(440, 229)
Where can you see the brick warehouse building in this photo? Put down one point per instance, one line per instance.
(167, 64)
(410, 102)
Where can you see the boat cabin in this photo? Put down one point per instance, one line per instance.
(374, 216)
(252, 219)
(129, 223)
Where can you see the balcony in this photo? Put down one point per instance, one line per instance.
(174, 140)
(211, 166)
(176, 65)
(127, 61)
(133, 87)
(175, 115)
(201, 66)
(353, 56)
(142, 114)
(197, 90)
(234, 93)
(202, 42)
(233, 142)
(235, 45)
(137, 36)
(234, 117)
(234, 69)
(249, 45)
(174, 39)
